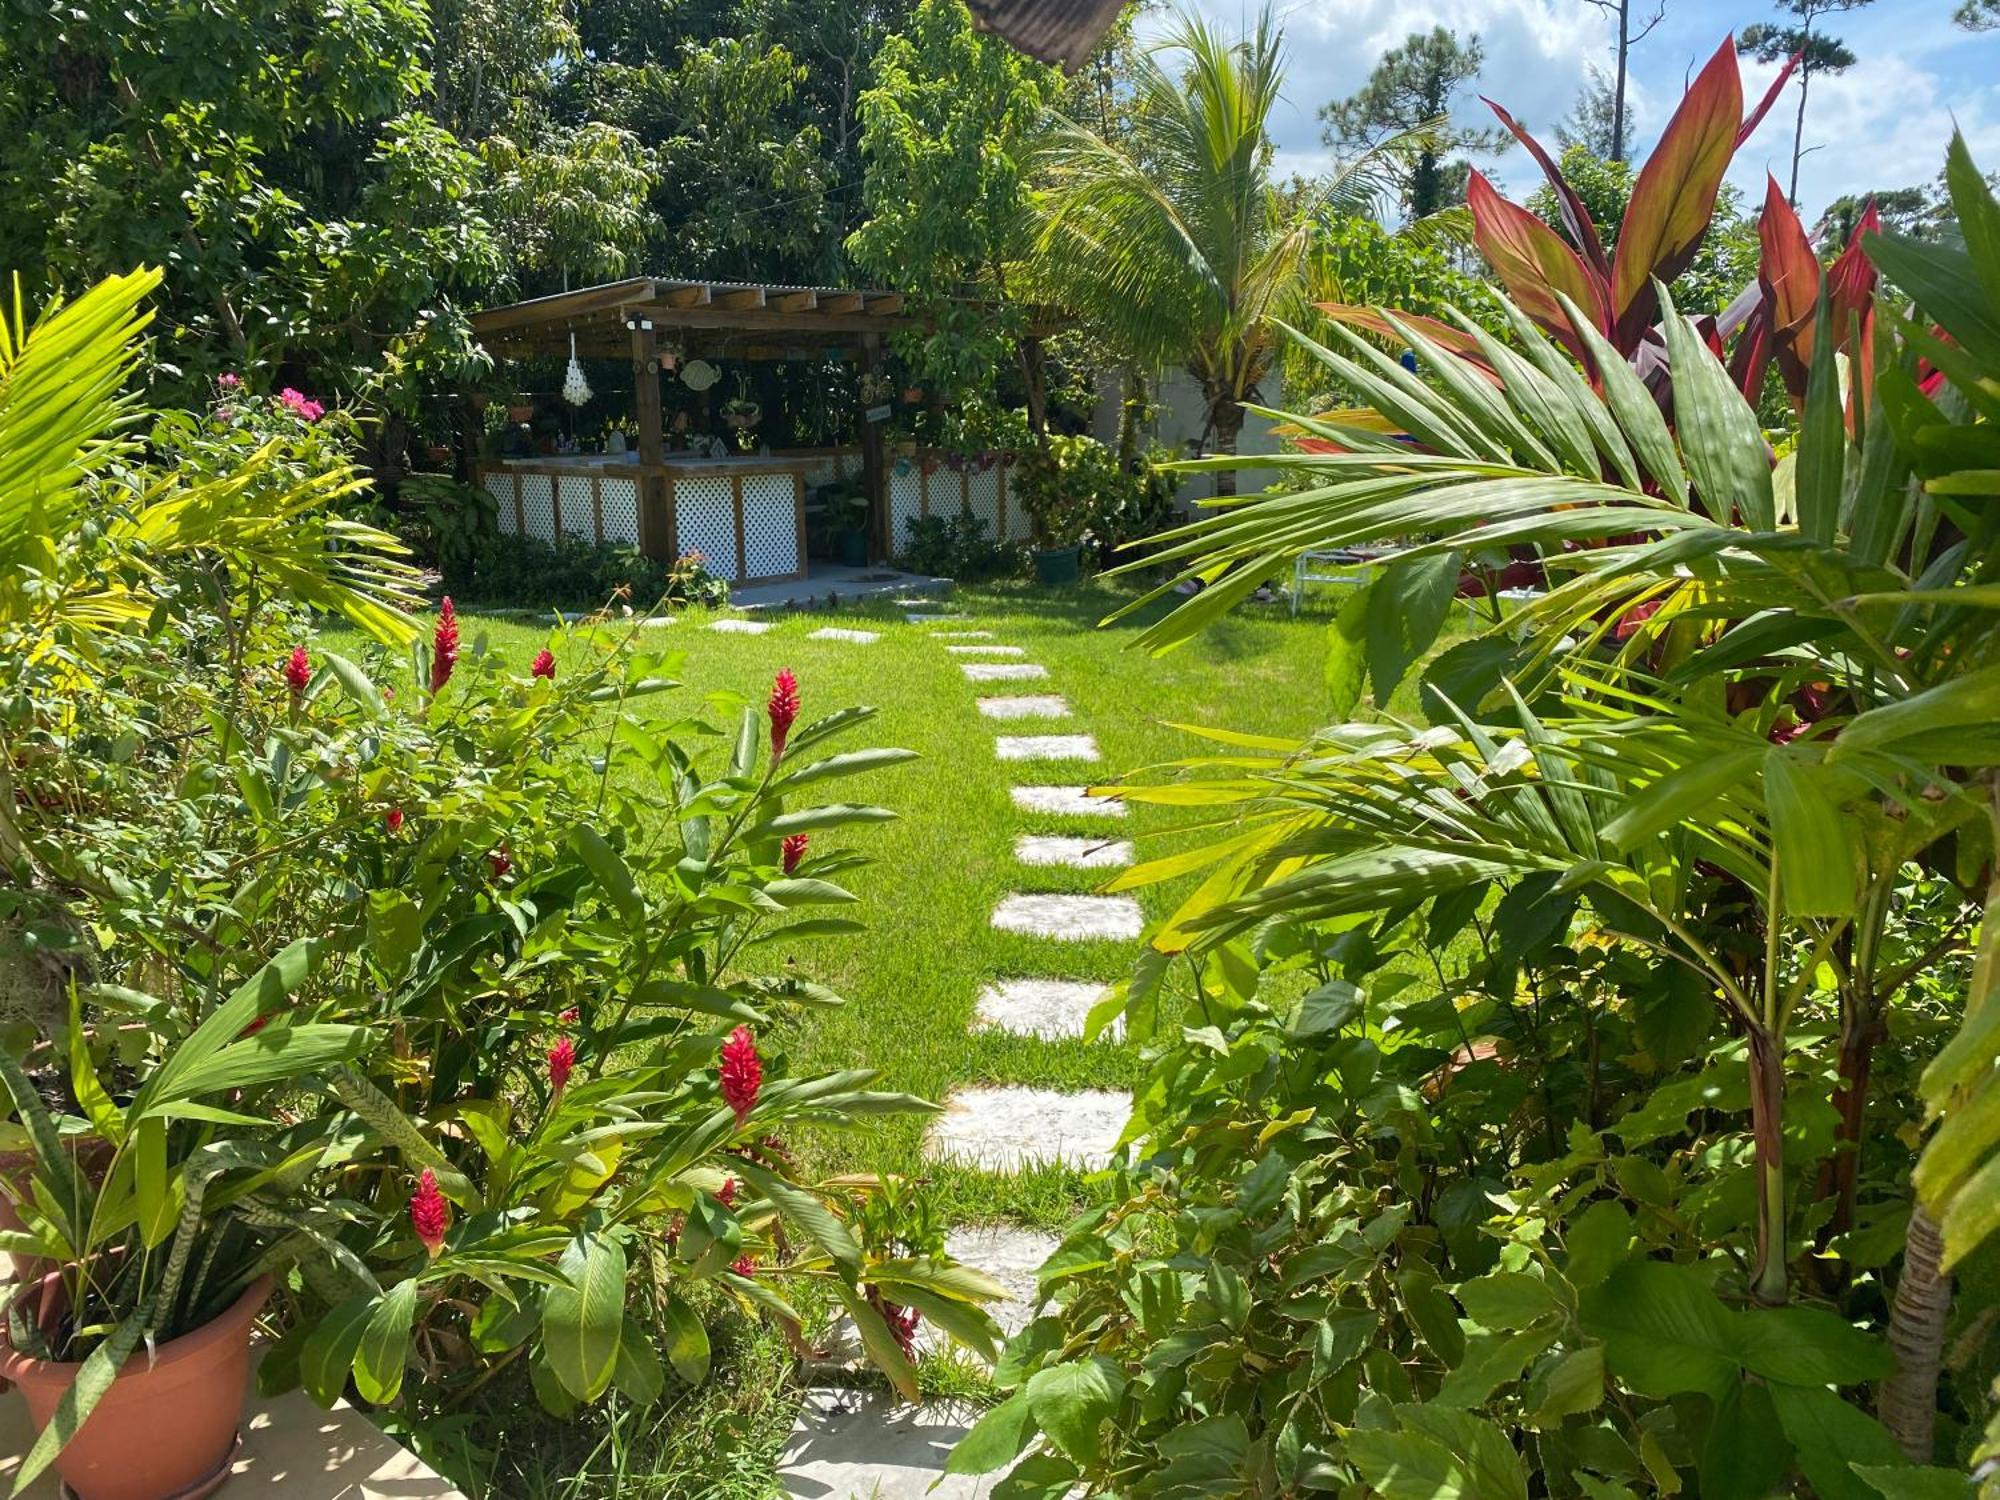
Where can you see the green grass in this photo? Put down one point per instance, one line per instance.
(911, 979)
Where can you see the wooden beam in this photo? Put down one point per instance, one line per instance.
(882, 306)
(792, 301)
(844, 302)
(740, 300)
(563, 307)
(687, 296)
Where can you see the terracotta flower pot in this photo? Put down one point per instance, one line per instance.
(167, 1427)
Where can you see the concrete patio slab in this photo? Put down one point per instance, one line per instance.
(1003, 671)
(1070, 801)
(1006, 1127)
(1073, 853)
(1035, 706)
(1071, 919)
(1047, 1008)
(741, 627)
(1045, 747)
(986, 651)
(870, 1445)
(835, 633)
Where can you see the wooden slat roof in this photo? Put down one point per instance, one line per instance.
(598, 315)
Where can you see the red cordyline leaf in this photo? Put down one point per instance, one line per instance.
(1369, 320)
(1577, 217)
(1533, 263)
(1851, 282)
(430, 1214)
(1788, 272)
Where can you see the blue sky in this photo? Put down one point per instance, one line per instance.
(1883, 124)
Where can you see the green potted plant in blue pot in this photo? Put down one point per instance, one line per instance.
(1058, 517)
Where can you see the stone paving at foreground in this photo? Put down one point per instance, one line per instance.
(868, 1444)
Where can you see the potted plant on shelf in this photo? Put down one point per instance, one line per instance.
(164, 1230)
(1058, 517)
(741, 414)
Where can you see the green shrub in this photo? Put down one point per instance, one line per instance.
(1077, 489)
(570, 573)
(957, 547)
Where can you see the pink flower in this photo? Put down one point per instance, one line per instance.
(726, 1196)
(568, 1017)
(545, 665)
(741, 1073)
(430, 1215)
(902, 1323)
(744, 1265)
(500, 862)
(562, 1058)
(393, 820)
(444, 645)
(783, 709)
(793, 849)
(229, 380)
(298, 670)
(296, 403)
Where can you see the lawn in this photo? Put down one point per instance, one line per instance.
(912, 978)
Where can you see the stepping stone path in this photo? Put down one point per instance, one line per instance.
(741, 627)
(931, 619)
(1047, 1008)
(1072, 853)
(1039, 706)
(1003, 671)
(986, 651)
(1073, 919)
(965, 635)
(835, 633)
(1005, 1127)
(1070, 801)
(1045, 747)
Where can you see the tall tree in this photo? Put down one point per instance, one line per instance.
(1774, 41)
(1593, 120)
(1630, 34)
(1412, 87)
(1174, 239)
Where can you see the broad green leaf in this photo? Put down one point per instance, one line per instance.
(1832, 1437)
(608, 868)
(356, 683)
(1816, 858)
(996, 1439)
(826, 1229)
(1745, 1456)
(384, 1349)
(1665, 1332)
(277, 1052)
(1481, 1448)
(687, 1341)
(1908, 1482)
(878, 1341)
(1407, 1466)
(261, 994)
(1571, 1386)
(1808, 1346)
(583, 1320)
(638, 1376)
(1508, 1300)
(1071, 1402)
(1721, 441)
(1822, 446)
(328, 1354)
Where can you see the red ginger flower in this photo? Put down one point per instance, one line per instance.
(430, 1215)
(793, 849)
(744, 1265)
(741, 1072)
(726, 1194)
(545, 665)
(298, 670)
(444, 645)
(562, 1058)
(783, 709)
(568, 1017)
(393, 819)
(500, 862)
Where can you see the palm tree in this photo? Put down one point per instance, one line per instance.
(1174, 239)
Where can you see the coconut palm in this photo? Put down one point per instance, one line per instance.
(1175, 239)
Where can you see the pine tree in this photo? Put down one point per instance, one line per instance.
(1412, 86)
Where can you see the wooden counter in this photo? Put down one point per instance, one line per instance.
(745, 516)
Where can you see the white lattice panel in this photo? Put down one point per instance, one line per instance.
(538, 509)
(1017, 513)
(621, 510)
(906, 490)
(983, 497)
(500, 485)
(705, 522)
(821, 469)
(578, 515)
(770, 526)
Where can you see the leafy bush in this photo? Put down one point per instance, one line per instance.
(570, 573)
(956, 547)
(1076, 489)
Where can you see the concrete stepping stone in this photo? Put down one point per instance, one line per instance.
(1071, 919)
(1002, 671)
(919, 601)
(835, 633)
(741, 627)
(1006, 1127)
(1047, 1008)
(965, 635)
(986, 651)
(931, 619)
(1071, 801)
(871, 1445)
(1045, 747)
(1037, 706)
(1073, 853)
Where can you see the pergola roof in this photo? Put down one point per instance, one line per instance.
(599, 315)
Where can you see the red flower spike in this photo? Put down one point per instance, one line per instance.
(444, 645)
(298, 670)
(562, 1058)
(568, 1017)
(744, 1265)
(500, 862)
(793, 849)
(545, 665)
(741, 1073)
(430, 1215)
(726, 1195)
(783, 709)
(393, 820)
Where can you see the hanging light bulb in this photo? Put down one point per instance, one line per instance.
(575, 389)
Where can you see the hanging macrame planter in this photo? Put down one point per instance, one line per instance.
(575, 389)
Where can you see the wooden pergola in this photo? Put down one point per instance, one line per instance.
(628, 319)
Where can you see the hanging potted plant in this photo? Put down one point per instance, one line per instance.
(741, 414)
(133, 1351)
(521, 408)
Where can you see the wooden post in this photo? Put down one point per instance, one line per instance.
(874, 474)
(656, 538)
